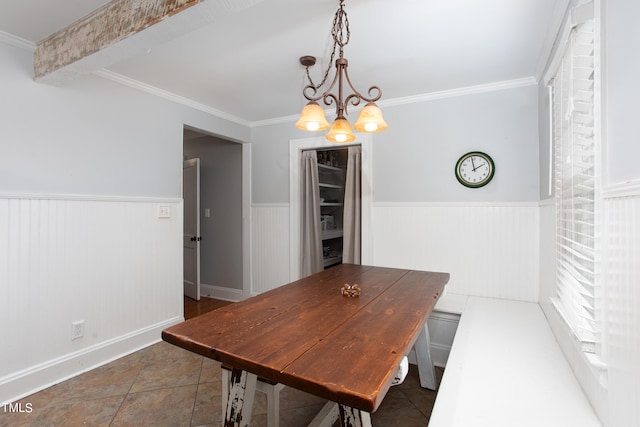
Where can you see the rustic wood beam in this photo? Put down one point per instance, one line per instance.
(121, 29)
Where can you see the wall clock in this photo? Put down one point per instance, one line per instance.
(475, 169)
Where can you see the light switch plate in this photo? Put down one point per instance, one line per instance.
(164, 211)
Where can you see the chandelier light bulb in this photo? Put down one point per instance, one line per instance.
(312, 118)
(340, 131)
(370, 119)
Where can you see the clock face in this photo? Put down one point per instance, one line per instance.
(475, 169)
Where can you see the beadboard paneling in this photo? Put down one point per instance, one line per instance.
(622, 340)
(489, 250)
(111, 263)
(270, 246)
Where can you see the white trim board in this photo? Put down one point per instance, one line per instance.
(16, 41)
(623, 189)
(89, 198)
(219, 292)
(24, 383)
(455, 204)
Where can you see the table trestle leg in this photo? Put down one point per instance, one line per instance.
(242, 390)
(426, 370)
(351, 417)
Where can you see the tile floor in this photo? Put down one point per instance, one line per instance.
(163, 385)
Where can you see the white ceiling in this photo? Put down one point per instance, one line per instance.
(246, 65)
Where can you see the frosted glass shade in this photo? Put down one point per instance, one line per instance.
(370, 119)
(340, 131)
(312, 118)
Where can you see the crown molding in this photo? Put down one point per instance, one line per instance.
(17, 41)
(136, 84)
(451, 93)
(463, 91)
(119, 78)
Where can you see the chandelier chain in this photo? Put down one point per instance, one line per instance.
(340, 26)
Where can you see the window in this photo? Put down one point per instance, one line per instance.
(577, 186)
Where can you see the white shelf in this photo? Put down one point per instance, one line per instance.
(331, 168)
(331, 234)
(331, 261)
(337, 187)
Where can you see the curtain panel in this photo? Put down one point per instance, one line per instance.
(310, 232)
(352, 227)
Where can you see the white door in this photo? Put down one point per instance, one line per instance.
(191, 196)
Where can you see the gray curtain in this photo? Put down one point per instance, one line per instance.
(310, 233)
(352, 208)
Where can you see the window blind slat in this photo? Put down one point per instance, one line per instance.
(576, 183)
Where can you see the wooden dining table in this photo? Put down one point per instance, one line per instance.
(314, 336)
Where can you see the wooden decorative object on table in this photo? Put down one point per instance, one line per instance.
(351, 290)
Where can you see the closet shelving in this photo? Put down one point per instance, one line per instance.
(331, 174)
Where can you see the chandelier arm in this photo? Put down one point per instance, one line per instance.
(329, 99)
(312, 97)
(361, 96)
(354, 99)
(313, 90)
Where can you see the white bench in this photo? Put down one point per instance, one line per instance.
(505, 368)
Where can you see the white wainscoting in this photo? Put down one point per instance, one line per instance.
(612, 391)
(622, 310)
(107, 261)
(490, 250)
(270, 246)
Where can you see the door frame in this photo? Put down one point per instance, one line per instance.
(192, 163)
(220, 293)
(296, 146)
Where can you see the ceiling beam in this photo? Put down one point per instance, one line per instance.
(122, 29)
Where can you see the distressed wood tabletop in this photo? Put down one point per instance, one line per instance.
(309, 336)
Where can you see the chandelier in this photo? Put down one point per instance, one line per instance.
(312, 117)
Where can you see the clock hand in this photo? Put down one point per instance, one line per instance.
(473, 165)
(479, 166)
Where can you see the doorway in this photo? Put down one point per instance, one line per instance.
(219, 216)
(296, 147)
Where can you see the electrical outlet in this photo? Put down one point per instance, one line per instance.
(77, 329)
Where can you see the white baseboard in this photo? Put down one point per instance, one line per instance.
(219, 292)
(31, 380)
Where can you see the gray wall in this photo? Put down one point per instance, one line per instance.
(414, 159)
(545, 141)
(91, 136)
(221, 192)
(622, 67)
